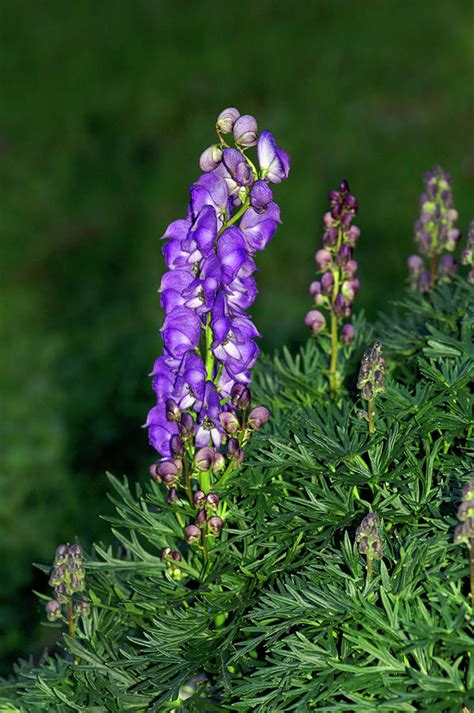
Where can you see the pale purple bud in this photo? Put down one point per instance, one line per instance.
(447, 266)
(172, 496)
(258, 417)
(323, 260)
(199, 498)
(327, 283)
(187, 424)
(350, 269)
(352, 235)
(232, 446)
(168, 471)
(415, 266)
(218, 463)
(210, 158)
(192, 533)
(229, 421)
(350, 288)
(53, 610)
(315, 321)
(215, 524)
(172, 411)
(177, 445)
(240, 396)
(348, 334)
(246, 130)
(61, 553)
(213, 500)
(315, 291)
(226, 119)
(201, 517)
(203, 458)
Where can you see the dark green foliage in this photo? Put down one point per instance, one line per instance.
(286, 618)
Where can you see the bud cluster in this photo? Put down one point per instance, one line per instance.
(371, 380)
(192, 464)
(464, 533)
(338, 286)
(368, 539)
(68, 579)
(435, 232)
(170, 557)
(467, 255)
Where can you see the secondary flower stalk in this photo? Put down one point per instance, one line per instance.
(464, 533)
(202, 419)
(368, 540)
(435, 233)
(371, 381)
(68, 579)
(338, 286)
(467, 255)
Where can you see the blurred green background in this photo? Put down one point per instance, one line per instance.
(105, 109)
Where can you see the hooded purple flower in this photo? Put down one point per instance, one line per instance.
(181, 331)
(210, 189)
(160, 430)
(274, 162)
(235, 171)
(231, 251)
(260, 196)
(258, 228)
(209, 427)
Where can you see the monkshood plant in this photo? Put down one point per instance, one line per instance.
(336, 582)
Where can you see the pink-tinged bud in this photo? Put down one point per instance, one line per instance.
(352, 235)
(232, 446)
(315, 321)
(246, 130)
(226, 119)
(172, 496)
(201, 518)
(199, 498)
(61, 592)
(153, 470)
(213, 500)
(172, 411)
(240, 396)
(203, 458)
(215, 524)
(328, 220)
(175, 556)
(53, 610)
(351, 202)
(192, 533)
(415, 266)
(327, 283)
(350, 289)
(344, 186)
(165, 553)
(323, 260)
(334, 197)
(350, 269)
(258, 417)
(177, 445)
(330, 237)
(169, 471)
(348, 333)
(61, 554)
(210, 158)
(76, 551)
(229, 421)
(218, 463)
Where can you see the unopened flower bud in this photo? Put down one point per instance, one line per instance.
(215, 524)
(348, 334)
(447, 266)
(315, 321)
(76, 551)
(226, 119)
(258, 417)
(415, 266)
(165, 553)
(61, 554)
(177, 445)
(199, 498)
(175, 556)
(210, 158)
(172, 496)
(168, 471)
(53, 610)
(352, 235)
(187, 424)
(192, 533)
(350, 269)
(82, 608)
(232, 446)
(213, 500)
(172, 411)
(260, 196)
(201, 517)
(229, 421)
(245, 130)
(327, 283)
(323, 260)
(204, 457)
(367, 391)
(218, 463)
(56, 577)
(240, 396)
(344, 186)
(61, 592)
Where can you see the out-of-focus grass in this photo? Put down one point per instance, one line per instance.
(105, 109)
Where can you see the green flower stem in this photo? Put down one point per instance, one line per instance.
(333, 385)
(204, 547)
(205, 481)
(70, 619)
(369, 564)
(187, 481)
(209, 360)
(433, 270)
(236, 216)
(371, 416)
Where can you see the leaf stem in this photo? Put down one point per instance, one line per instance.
(70, 619)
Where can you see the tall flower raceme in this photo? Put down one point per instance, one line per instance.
(338, 286)
(371, 381)
(435, 233)
(464, 533)
(203, 417)
(68, 579)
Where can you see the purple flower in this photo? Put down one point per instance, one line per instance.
(447, 266)
(235, 171)
(315, 321)
(231, 251)
(260, 196)
(274, 162)
(181, 331)
(415, 266)
(259, 227)
(210, 189)
(226, 119)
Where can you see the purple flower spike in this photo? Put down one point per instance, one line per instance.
(274, 162)
(246, 130)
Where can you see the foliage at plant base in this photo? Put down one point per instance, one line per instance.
(286, 618)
